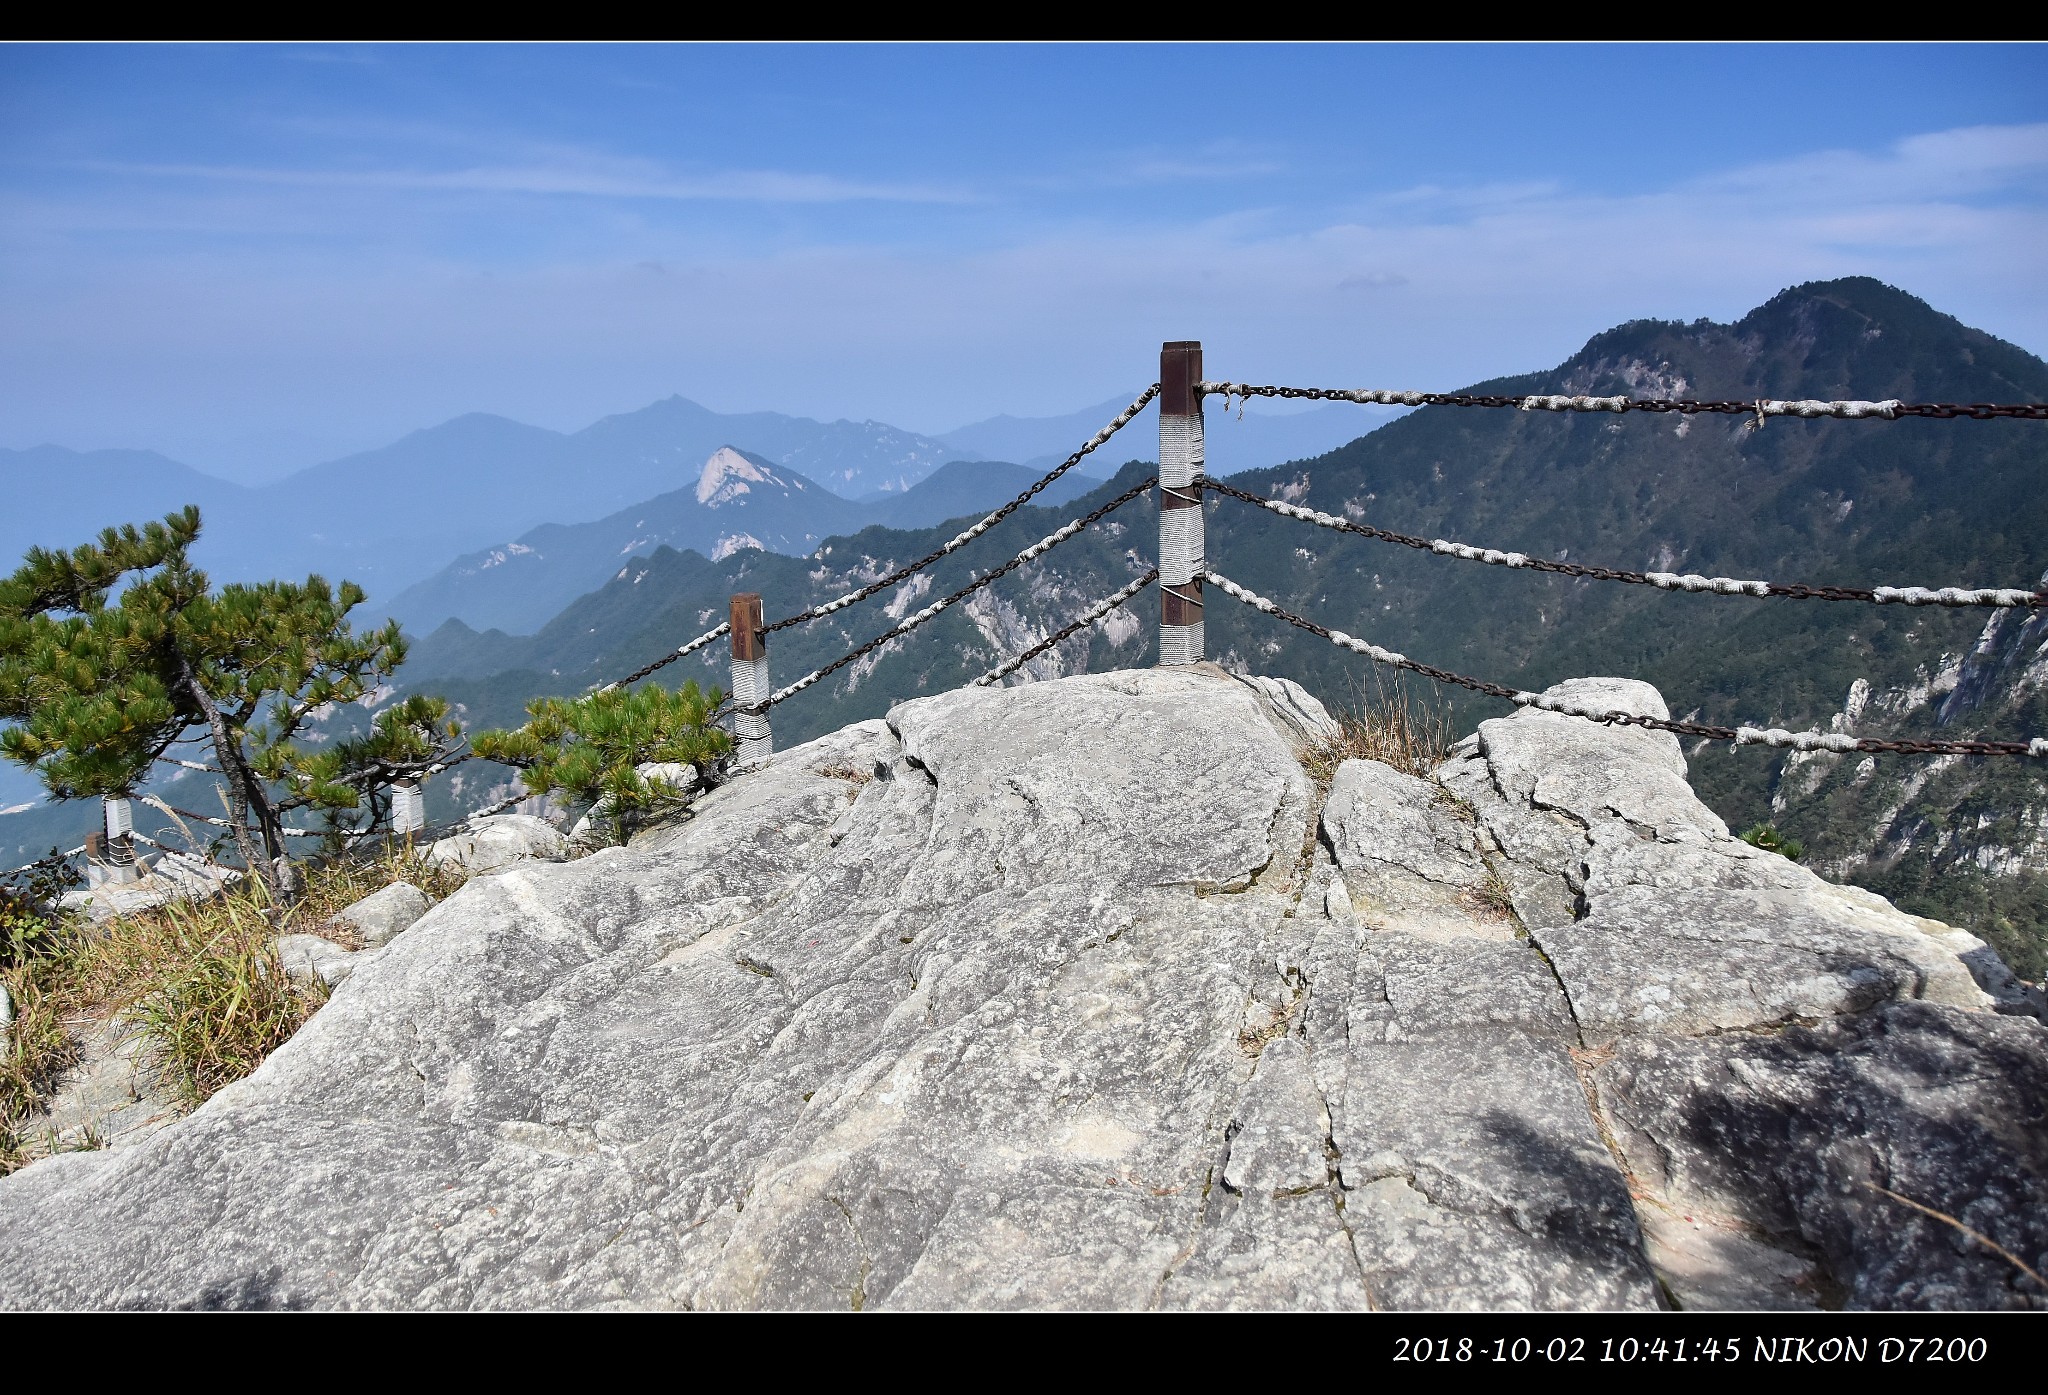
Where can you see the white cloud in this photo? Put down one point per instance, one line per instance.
(610, 178)
(1426, 288)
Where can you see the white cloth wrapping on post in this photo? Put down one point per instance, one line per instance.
(750, 687)
(1181, 457)
(1182, 547)
(1181, 644)
(408, 807)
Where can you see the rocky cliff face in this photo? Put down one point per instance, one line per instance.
(1083, 994)
(1948, 832)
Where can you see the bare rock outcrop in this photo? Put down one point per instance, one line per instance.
(1082, 994)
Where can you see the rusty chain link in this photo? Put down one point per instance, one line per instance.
(2017, 598)
(1976, 411)
(1746, 736)
(931, 611)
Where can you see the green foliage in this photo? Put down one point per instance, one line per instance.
(354, 773)
(83, 681)
(589, 747)
(29, 899)
(99, 687)
(1767, 837)
(2011, 913)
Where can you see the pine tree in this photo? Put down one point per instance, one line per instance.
(591, 748)
(116, 651)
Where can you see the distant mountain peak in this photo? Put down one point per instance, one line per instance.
(734, 542)
(728, 474)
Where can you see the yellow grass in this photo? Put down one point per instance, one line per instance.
(1387, 724)
(200, 980)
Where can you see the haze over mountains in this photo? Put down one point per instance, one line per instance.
(738, 500)
(389, 517)
(1828, 502)
(502, 524)
(1852, 503)
(392, 517)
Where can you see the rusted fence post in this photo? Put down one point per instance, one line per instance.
(750, 685)
(1180, 503)
(120, 824)
(408, 807)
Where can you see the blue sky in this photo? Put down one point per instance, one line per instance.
(258, 256)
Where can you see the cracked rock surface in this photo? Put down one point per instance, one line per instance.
(1087, 997)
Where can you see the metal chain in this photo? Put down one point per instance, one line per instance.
(1037, 549)
(1839, 742)
(1081, 622)
(1123, 419)
(1664, 581)
(724, 627)
(1545, 402)
(47, 860)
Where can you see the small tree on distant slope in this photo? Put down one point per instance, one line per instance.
(115, 651)
(591, 748)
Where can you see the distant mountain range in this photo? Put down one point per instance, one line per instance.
(738, 500)
(503, 524)
(1827, 502)
(390, 517)
(399, 515)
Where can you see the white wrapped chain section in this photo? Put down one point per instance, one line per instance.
(1993, 596)
(1833, 741)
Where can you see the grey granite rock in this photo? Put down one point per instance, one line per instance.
(1477, 1179)
(797, 1051)
(315, 957)
(1298, 713)
(1786, 1138)
(500, 840)
(1064, 1008)
(1474, 1171)
(381, 916)
(1711, 959)
(1409, 855)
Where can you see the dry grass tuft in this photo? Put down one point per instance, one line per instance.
(200, 980)
(39, 1048)
(1388, 724)
(1493, 898)
(203, 982)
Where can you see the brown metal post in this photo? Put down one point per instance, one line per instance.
(750, 682)
(1181, 543)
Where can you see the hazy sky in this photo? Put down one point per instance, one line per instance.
(252, 257)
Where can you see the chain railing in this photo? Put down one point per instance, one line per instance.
(1183, 568)
(1760, 410)
(1664, 581)
(1182, 386)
